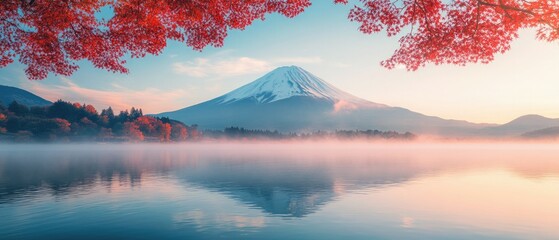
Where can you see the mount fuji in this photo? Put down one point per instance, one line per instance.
(287, 82)
(290, 99)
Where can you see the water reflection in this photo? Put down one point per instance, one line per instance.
(278, 182)
(287, 181)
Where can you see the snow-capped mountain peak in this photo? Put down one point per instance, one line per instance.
(286, 82)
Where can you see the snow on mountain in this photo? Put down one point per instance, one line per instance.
(290, 99)
(291, 81)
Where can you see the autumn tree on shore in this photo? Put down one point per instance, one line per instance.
(66, 121)
(52, 36)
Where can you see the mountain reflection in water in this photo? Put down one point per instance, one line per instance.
(279, 180)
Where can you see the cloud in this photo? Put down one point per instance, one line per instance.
(342, 105)
(221, 68)
(151, 100)
(205, 67)
(298, 60)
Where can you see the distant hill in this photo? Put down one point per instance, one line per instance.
(10, 94)
(527, 124)
(546, 133)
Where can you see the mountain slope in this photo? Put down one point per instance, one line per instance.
(10, 94)
(291, 99)
(521, 125)
(546, 133)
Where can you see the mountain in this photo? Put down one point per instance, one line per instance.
(522, 125)
(291, 99)
(10, 94)
(546, 133)
(287, 82)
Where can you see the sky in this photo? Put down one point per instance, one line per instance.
(323, 41)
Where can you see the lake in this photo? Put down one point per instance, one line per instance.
(280, 191)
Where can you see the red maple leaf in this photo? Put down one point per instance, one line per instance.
(52, 36)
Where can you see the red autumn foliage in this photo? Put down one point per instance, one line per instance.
(165, 132)
(179, 132)
(454, 32)
(153, 127)
(63, 125)
(90, 109)
(147, 124)
(133, 131)
(52, 36)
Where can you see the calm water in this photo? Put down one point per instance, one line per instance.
(280, 191)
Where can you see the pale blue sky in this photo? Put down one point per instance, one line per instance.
(323, 41)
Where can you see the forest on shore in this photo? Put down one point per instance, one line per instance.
(64, 121)
(74, 122)
(242, 133)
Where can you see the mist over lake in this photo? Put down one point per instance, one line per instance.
(279, 119)
(279, 191)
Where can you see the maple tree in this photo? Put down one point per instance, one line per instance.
(455, 31)
(52, 36)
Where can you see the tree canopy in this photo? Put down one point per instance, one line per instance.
(455, 31)
(64, 121)
(52, 36)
